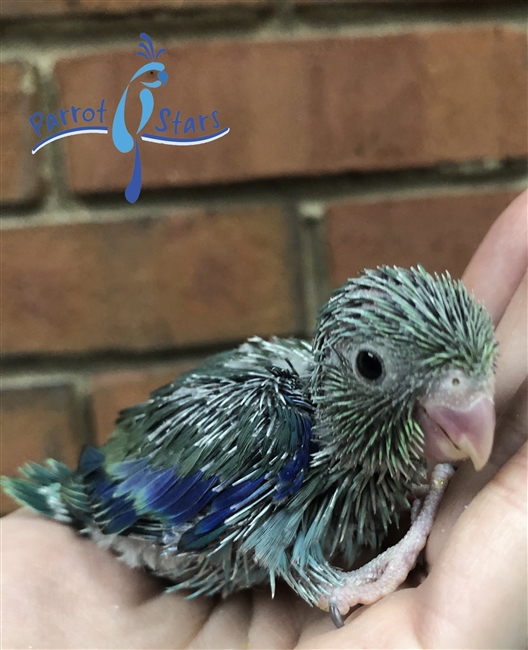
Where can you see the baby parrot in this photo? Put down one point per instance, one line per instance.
(281, 458)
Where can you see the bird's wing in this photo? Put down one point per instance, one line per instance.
(207, 453)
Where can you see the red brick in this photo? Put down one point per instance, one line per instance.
(440, 232)
(147, 283)
(478, 102)
(37, 423)
(298, 107)
(114, 391)
(15, 8)
(510, 66)
(20, 173)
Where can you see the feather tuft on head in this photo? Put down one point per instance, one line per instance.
(147, 46)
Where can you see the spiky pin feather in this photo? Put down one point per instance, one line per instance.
(272, 460)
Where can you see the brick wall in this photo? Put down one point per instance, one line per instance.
(361, 133)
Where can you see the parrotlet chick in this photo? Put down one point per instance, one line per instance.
(280, 458)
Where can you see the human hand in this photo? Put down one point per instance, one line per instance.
(62, 591)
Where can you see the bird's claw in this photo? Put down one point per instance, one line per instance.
(335, 615)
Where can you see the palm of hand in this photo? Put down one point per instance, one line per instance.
(71, 594)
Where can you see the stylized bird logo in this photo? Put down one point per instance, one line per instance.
(121, 136)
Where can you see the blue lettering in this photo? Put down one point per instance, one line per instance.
(216, 123)
(101, 110)
(189, 125)
(63, 115)
(176, 121)
(51, 122)
(74, 111)
(89, 111)
(36, 120)
(202, 119)
(162, 113)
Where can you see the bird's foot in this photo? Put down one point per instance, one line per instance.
(385, 573)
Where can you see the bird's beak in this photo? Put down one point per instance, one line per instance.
(457, 418)
(163, 77)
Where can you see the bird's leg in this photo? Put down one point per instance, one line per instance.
(382, 575)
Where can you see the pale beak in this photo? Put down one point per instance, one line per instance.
(457, 418)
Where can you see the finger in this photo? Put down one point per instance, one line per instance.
(499, 264)
(275, 623)
(513, 347)
(475, 596)
(227, 626)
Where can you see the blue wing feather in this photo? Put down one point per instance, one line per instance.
(180, 491)
(260, 410)
(157, 489)
(191, 504)
(236, 494)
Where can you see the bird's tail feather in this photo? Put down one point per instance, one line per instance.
(134, 187)
(39, 489)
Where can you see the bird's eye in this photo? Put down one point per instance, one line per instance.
(369, 365)
(152, 72)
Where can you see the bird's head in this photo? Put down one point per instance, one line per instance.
(404, 370)
(152, 75)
